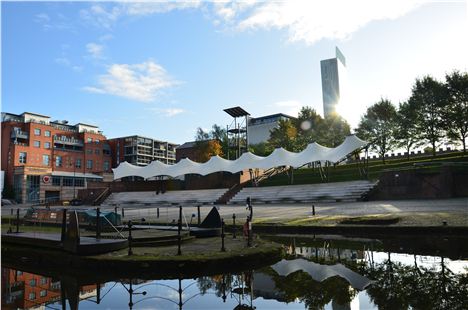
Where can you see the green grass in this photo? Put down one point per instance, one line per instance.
(349, 172)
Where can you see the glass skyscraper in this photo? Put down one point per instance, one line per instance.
(333, 73)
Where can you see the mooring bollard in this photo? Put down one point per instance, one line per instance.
(130, 252)
(234, 226)
(64, 225)
(249, 232)
(98, 223)
(313, 210)
(123, 212)
(179, 230)
(157, 212)
(223, 249)
(17, 220)
(198, 210)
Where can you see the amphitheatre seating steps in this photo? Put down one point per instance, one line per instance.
(203, 196)
(324, 192)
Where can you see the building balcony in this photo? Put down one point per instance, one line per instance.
(68, 141)
(19, 134)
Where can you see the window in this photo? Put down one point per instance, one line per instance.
(43, 280)
(45, 160)
(47, 133)
(47, 145)
(58, 161)
(79, 182)
(22, 157)
(32, 296)
(78, 163)
(89, 151)
(43, 293)
(97, 140)
(37, 143)
(89, 140)
(32, 282)
(67, 181)
(37, 132)
(106, 165)
(89, 164)
(96, 151)
(56, 181)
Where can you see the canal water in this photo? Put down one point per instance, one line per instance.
(319, 272)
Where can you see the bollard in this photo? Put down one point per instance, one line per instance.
(198, 210)
(249, 241)
(130, 252)
(223, 249)
(64, 225)
(123, 212)
(234, 226)
(313, 210)
(17, 220)
(115, 210)
(98, 223)
(157, 212)
(179, 229)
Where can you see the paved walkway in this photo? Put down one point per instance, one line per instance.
(289, 211)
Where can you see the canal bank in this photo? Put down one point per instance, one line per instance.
(199, 257)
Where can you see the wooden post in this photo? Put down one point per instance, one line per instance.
(17, 220)
(98, 223)
(198, 210)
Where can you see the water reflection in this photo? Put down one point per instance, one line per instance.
(316, 274)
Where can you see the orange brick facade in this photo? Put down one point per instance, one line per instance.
(61, 156)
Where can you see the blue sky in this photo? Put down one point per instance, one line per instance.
(163, 69)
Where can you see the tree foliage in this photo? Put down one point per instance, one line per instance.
(405, 131)
(429, 99)
(377, 126)
(455, 112)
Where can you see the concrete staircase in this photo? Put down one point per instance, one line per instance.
(323, 192)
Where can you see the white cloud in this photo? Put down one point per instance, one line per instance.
(42, 18)
(289, 107)
(95, 50)
(101, 16)
(169, 112)
(310, 21)
(141, 82)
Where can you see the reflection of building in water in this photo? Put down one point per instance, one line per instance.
(26, 290)
(327, 252)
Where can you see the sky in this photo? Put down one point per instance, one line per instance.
(162, 69)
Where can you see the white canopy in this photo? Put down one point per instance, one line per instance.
(314, 152)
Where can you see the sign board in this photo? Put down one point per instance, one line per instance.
(46, 179)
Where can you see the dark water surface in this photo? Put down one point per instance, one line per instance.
(323, 272)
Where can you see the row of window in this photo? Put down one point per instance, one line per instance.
(37, 132)
(32, 295)
(38, 144)
(68, 181)
(59, 161)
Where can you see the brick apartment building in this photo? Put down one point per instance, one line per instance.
(51, 160)
(23, 290)
(141, 151)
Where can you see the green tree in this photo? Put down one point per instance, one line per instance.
(261, 149)
(377, 126)
(429, 98)
(334, 130)
(405, 131)
(455, 114)
(309, 126)
(285, 136)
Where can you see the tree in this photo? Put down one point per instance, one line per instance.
(309, 125)
(334, 130)
(428, 97)
(261, 149)
(207, 144)
(284, 135)
(405, 131)
(377, 126)
(455, 113)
